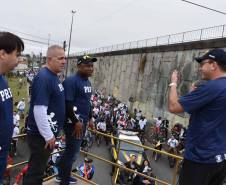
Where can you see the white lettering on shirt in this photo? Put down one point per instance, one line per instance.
(224, 156)
(5, 94)
(218, 158)
(87, 89)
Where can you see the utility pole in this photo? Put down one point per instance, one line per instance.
(48, 39)
(64, 45)
(69, 45)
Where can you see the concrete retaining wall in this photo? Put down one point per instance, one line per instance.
(140, 77)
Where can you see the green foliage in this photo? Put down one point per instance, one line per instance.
(19, 93)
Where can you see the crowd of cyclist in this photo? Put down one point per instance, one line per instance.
(110, 115)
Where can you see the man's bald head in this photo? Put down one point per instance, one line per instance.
(51, 50)
(55, 58)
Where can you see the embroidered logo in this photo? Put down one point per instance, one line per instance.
(61, 87)
(53, 124)
(218, 158)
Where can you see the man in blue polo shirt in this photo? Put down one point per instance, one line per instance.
(10, 48)
(78, 93)
(205, 150)
(46, 114)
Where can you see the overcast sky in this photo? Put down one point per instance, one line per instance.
(100, 23)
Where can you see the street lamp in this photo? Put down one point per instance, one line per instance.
(69, 45)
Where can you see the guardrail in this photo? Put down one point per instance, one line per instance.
(178, 158)
(188, 36)
(118, 166)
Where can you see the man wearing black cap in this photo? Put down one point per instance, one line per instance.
(205, 150)
(78, 93)
(86, 169)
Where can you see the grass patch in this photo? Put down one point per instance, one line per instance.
(19, 93)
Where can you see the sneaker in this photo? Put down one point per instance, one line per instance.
(58, 179)
(72, 180)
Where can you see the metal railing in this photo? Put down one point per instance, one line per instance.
(188, 36)
(118, 166)
(177, 158)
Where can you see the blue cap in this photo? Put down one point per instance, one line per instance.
(218, 55)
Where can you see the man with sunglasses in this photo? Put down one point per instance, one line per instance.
(205, 150)
(78, 93)
(46, 114)
(10, 48)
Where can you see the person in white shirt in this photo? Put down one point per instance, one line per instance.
(173, 143)
(158, 122)
(96, 111)
(21, 106)
(138, 115)
(142, 123)
(101, 126)
(16, 119)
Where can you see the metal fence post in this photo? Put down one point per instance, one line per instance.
(157, 41)
(223, 31)
(200, 35)
(183, 37)
(175, 172)
(146, 42)
(168, 39)
(118, 150)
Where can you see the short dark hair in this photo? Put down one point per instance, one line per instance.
(10, 42)
(222, 65)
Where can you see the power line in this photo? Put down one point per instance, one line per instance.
(36, 41)
(28, 34)
(204, 7)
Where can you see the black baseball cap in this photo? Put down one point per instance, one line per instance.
(218, 55)
(86, 59)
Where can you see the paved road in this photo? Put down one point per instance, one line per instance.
(102, 170)
(161, 167)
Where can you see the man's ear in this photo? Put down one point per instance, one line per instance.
(2, 54)
(215, 66)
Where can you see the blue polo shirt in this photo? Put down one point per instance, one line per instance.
(78, 90)
(6, 115)
(206, 136)
(47, 90)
